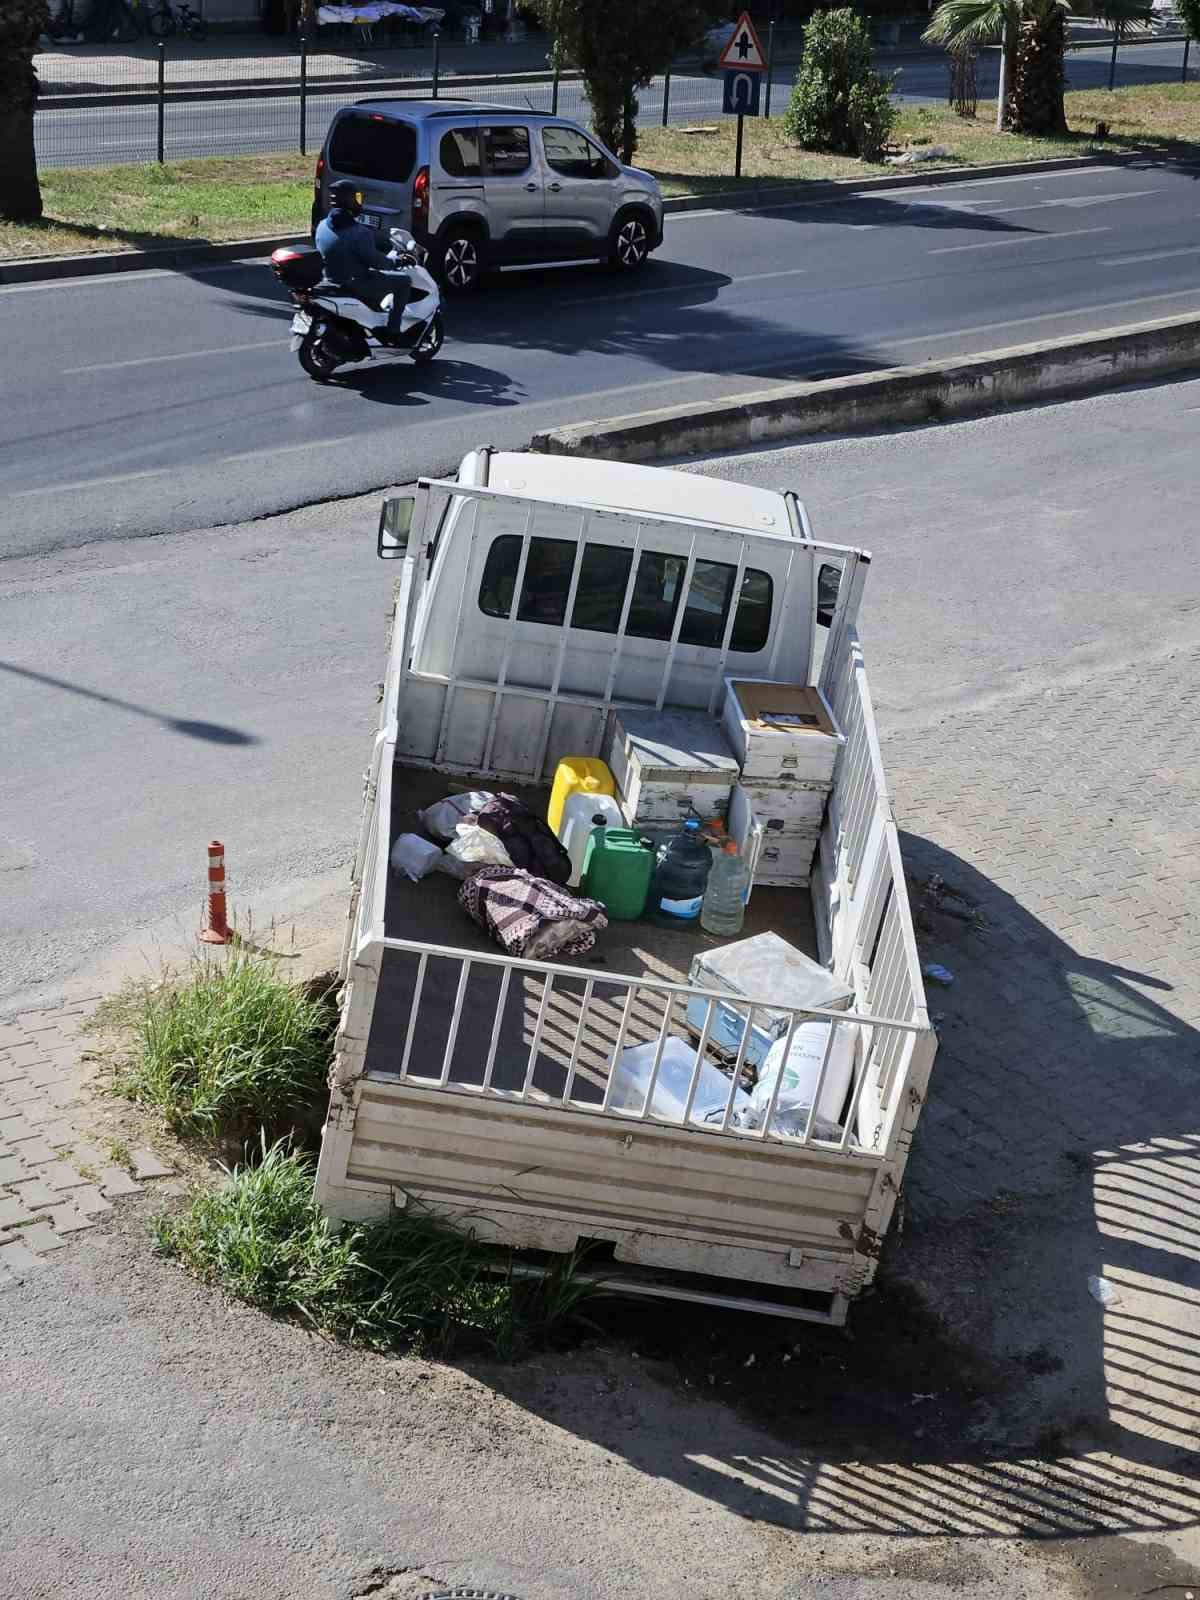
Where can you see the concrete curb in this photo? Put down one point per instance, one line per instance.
(183, 257)
(172, 258)
(935, 392)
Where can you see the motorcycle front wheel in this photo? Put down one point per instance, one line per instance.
(315, 360)
(431, 341)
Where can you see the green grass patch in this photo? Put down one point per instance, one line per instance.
(227, 1046)
(406, 1283)
(238, 197)
(1163, 119)
(137, 207)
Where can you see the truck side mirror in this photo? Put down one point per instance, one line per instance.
(395, 525)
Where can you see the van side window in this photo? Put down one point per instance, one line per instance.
(506, 151)
(600, 595)
(459, 153)
(573, 155)
(373, 146)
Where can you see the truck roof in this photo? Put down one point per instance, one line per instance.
(657, 491)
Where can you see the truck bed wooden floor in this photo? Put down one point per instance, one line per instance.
(428, 913)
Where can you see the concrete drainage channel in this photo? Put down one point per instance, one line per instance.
(1053, 369)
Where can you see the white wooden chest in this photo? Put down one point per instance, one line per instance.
(780, 730)
(669, 765)
(777, 855)
(795, 805)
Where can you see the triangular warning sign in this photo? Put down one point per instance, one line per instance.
(744, 49)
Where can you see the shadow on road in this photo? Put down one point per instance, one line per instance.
(984, 1392)
(667, 317)
(394, 380)
(211, 732)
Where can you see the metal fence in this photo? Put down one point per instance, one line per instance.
(173, 100)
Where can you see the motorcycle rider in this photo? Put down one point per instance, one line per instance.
(351, 253)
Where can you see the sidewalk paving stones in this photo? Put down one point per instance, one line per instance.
(147, 1165)
(53, 1183)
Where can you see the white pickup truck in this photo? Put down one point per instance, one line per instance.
(539, 596)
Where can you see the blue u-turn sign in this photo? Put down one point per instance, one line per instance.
(741, 92)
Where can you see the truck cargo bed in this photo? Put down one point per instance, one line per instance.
(429, 913)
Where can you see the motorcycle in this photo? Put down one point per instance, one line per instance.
(332, 327)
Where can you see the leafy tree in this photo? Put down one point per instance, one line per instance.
(619, 46)
(21, 21)
(840, 102)
(1189, 10)
(1033, 34)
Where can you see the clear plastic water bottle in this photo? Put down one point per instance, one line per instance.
(724, 908)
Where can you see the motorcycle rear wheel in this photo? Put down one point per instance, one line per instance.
(431, 341)
(315, 360)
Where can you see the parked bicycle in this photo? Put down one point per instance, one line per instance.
(167, 20)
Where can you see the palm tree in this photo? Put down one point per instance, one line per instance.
(21, 21)
(1033, 38)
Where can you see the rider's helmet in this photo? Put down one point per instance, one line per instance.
(345, 195)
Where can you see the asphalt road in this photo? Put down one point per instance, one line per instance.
(160, 401)
(94, 136)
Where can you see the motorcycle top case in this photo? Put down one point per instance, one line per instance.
(298, 266)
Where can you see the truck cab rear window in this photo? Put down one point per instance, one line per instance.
(600, 593)
(373, 147)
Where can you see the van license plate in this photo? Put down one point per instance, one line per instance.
(371, 220)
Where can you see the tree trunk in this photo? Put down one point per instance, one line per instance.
(629, 109)
(20, 193)
(1008, 65)
(1039, 76)
(605, 99)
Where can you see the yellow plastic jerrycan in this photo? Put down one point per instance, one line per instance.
(576, 775)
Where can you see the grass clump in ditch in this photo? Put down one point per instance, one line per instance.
(229, 1046)
(405, 1283)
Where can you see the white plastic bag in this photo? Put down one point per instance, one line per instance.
(800, 1080)
(414, 856)
(477, 846)
(442, 819)
(632, 1080)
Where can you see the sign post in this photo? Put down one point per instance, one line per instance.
(743, 63)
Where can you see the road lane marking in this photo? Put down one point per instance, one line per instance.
(1025, 238)
(293, 449)
(1103, 199)
(1150, 255)
(684, 288)
(972, 207)
(867, 196)
(177, 355)
(90, 483)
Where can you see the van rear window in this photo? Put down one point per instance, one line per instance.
(600, 593)
(378, 147)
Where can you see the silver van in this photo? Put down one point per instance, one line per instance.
(484, 186)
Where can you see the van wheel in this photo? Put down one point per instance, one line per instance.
(630, 243)
(460, 260)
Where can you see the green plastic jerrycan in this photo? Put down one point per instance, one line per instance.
(617, 870)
